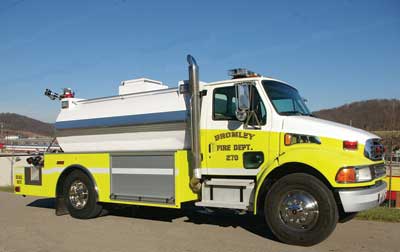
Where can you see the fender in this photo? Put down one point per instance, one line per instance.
(73, 167)
(327, 162)
(61, 208)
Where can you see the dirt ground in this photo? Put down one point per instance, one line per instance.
(29, 224)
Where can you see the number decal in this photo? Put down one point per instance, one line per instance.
(232, 157)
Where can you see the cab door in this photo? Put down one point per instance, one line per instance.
(231, 147)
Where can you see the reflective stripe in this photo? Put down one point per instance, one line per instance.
(59, 170)
(162, 117)
(177, 126)
(143, 171)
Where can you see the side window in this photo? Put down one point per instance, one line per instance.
(258, 107)
(224, 104)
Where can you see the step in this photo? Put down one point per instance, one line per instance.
(231, 182)
(222, 204)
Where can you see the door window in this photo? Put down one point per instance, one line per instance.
(224, 104)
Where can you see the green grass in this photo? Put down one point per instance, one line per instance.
(6, 189)
(380, 214)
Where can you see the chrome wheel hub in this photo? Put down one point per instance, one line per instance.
(78, 194)
(299, 209)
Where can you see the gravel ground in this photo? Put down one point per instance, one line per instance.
(29, 224)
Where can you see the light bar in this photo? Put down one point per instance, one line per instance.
(242, 73)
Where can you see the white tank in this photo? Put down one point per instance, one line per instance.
(132, 121)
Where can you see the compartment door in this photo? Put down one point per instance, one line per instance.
(148, 177)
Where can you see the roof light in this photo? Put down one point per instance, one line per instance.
(238, 73)
(68, 93)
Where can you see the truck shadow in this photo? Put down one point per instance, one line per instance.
(43, 203)
(190, 213)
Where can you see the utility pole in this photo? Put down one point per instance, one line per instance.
(2, 127)
(391, 155)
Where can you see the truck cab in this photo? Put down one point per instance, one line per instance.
(301, 172)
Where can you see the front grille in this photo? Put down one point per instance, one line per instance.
(374, 150)
(378, 170)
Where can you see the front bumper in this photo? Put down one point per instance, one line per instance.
(356, 200)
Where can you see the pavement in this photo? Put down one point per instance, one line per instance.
(29, 224)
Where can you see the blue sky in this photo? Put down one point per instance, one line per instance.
(334, 52)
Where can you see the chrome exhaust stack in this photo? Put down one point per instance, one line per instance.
(194, 87)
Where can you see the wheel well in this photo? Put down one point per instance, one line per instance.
(282, 171)
(66, 172)
(60, 205)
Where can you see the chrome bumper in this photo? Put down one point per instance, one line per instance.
(356, 200)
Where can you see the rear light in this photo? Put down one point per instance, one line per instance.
(17, 189)
(350, 145)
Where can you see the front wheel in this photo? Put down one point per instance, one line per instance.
(80, 196)
(300, 209)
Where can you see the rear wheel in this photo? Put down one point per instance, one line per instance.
(300, 210)
(80, 196)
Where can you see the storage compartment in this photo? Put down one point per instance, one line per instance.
(228, 193)
(148, 177)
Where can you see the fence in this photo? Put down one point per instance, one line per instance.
(393, 179)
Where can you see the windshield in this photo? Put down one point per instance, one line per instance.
(285, 99)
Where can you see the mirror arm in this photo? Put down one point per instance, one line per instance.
(258, 123)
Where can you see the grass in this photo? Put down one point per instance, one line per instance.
(380, 214)
(6, 189)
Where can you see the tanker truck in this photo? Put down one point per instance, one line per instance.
(248, 143)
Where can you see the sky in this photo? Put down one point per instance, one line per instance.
(333, 52)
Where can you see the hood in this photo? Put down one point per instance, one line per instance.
(308, 125)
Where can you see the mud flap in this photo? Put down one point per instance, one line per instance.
(61, 207)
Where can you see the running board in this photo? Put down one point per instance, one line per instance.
(222, 204)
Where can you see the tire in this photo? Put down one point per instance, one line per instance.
(80, 196)
(290, 199)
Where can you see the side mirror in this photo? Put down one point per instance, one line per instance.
(243, 96)
(243, 101)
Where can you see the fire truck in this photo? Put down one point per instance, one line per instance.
(248, 143)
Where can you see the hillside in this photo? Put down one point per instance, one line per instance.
(14, 124)
(380, 116)
(370, 115)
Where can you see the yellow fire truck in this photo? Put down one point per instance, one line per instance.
(247, 143)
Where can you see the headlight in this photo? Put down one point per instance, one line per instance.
(354, 174)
